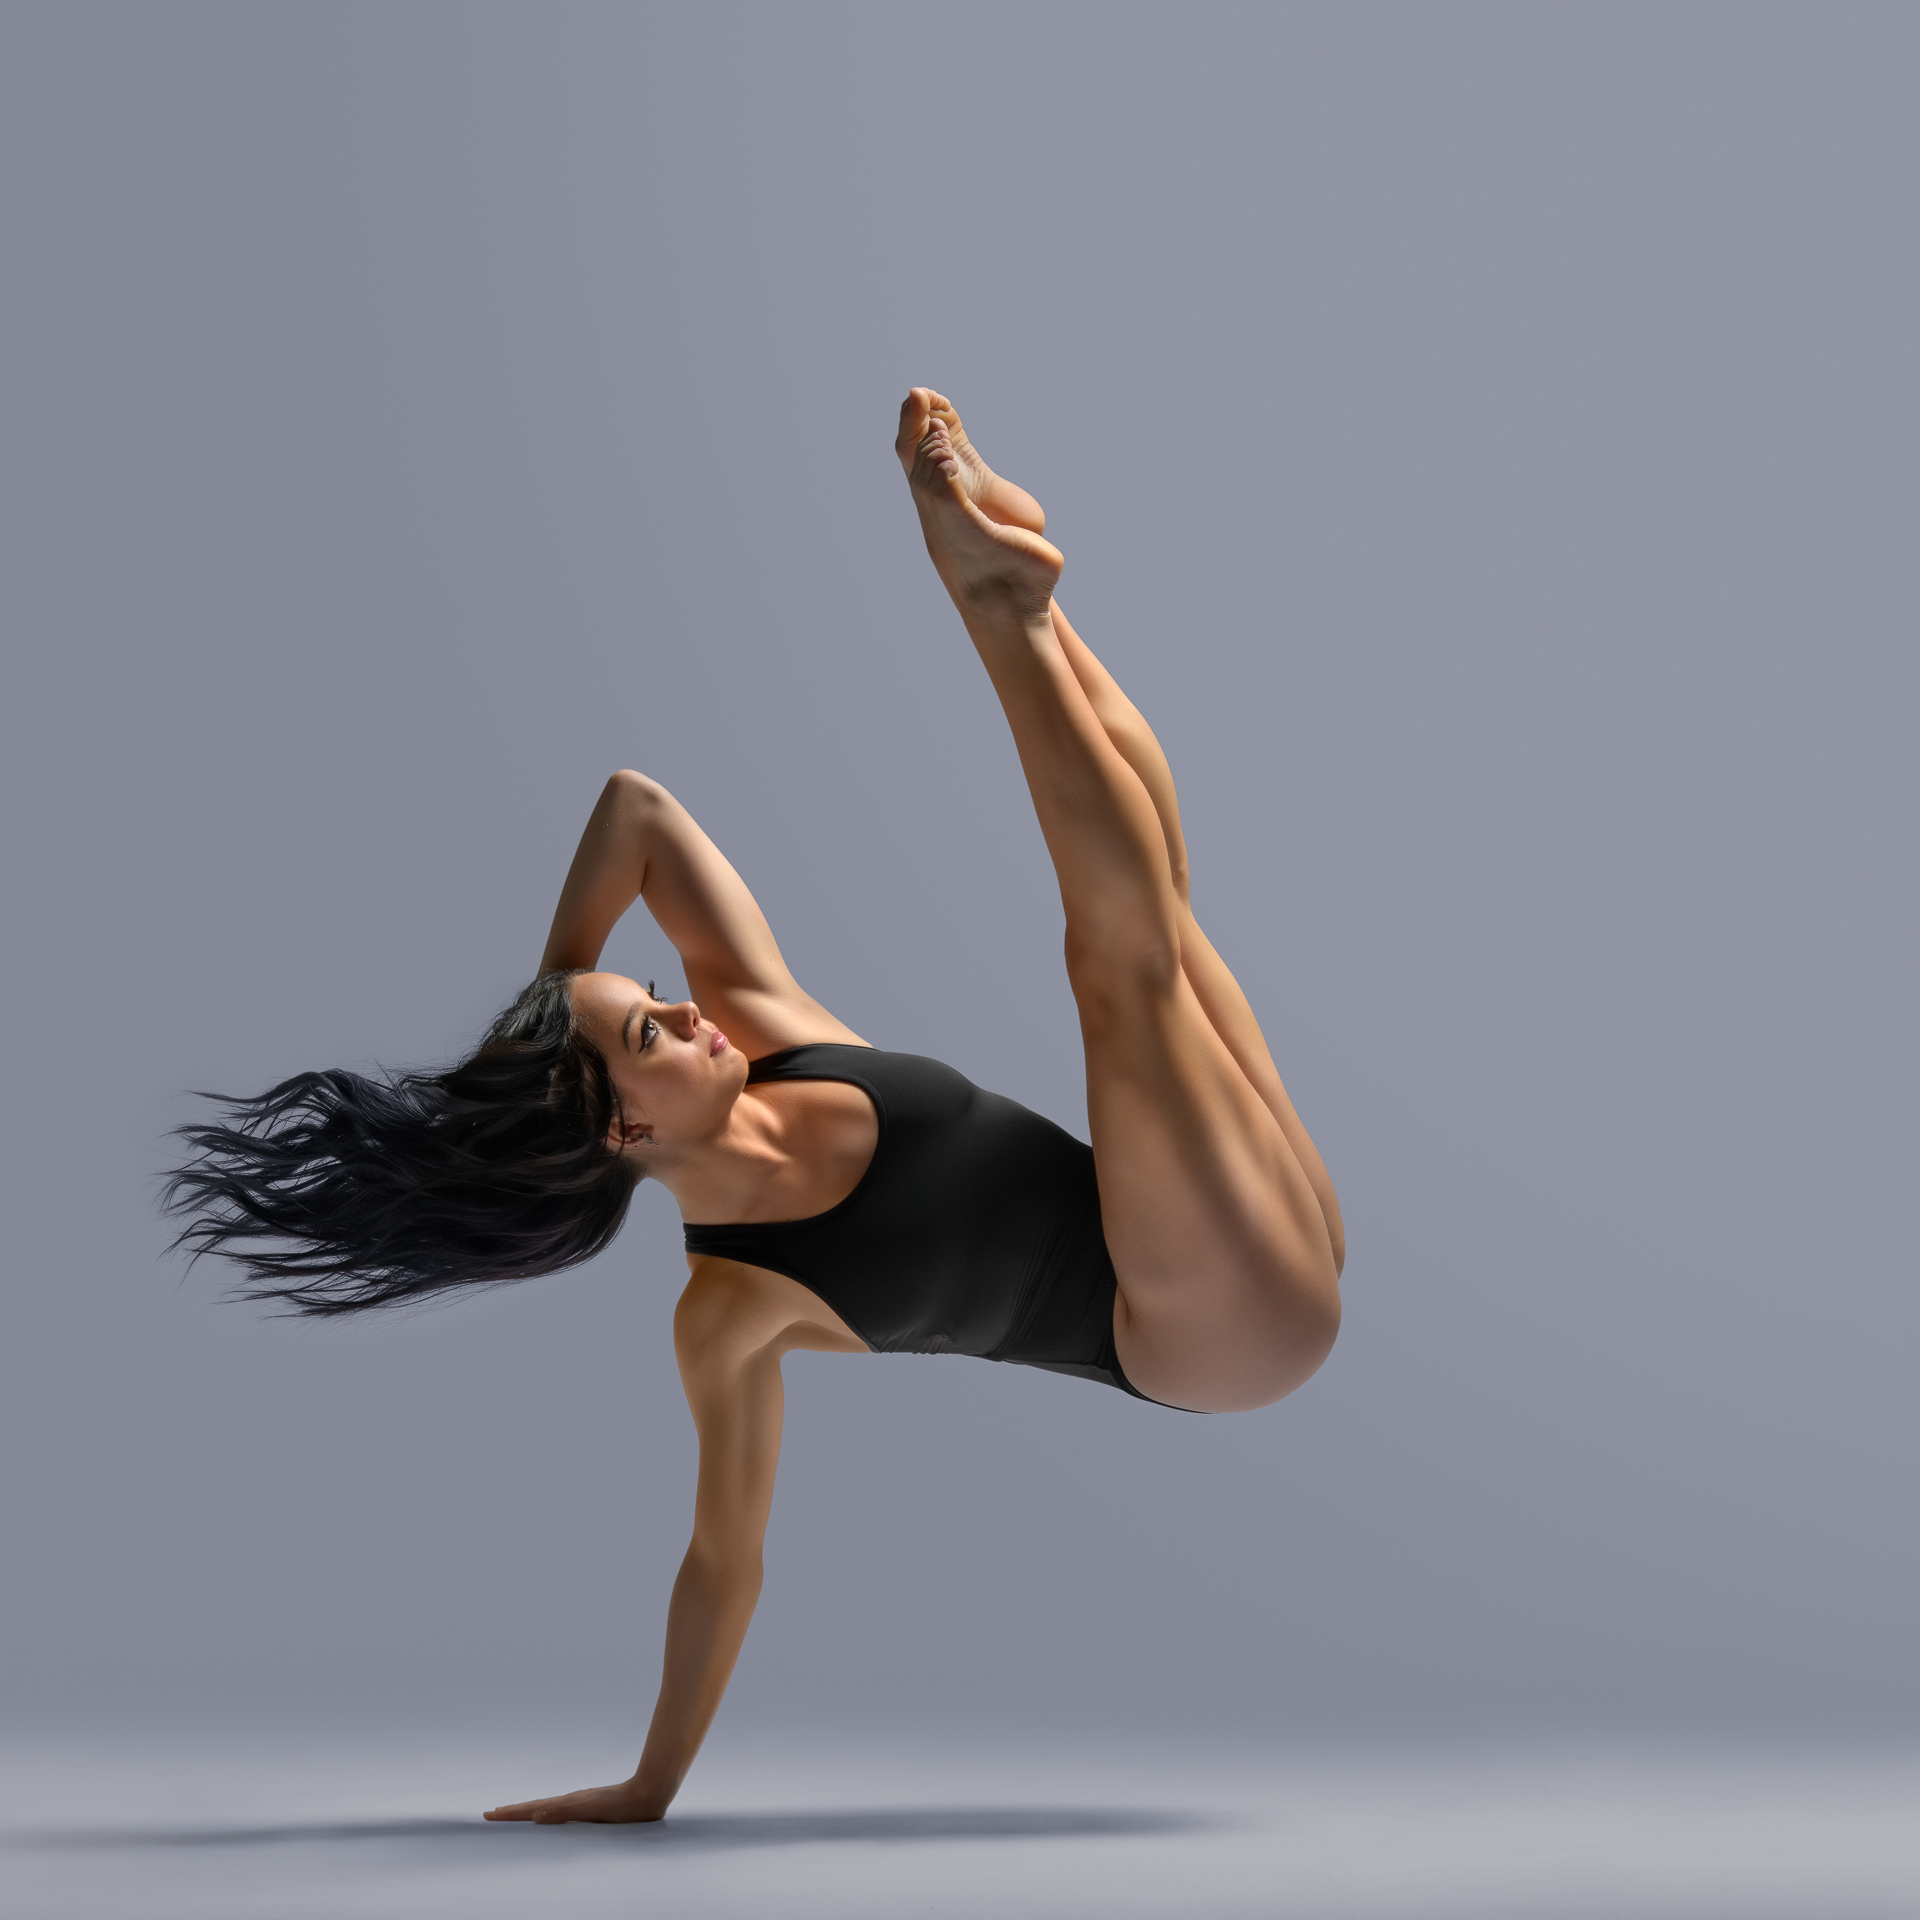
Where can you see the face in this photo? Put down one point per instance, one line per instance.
(676, 1074)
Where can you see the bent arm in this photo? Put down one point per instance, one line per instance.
(641, 844)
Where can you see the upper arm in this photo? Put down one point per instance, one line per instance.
(731, 1329)
(733, 964)
(729, 1338)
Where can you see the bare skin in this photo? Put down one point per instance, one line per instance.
(1222, 1223)
(1000, 500)
(1227, 1256)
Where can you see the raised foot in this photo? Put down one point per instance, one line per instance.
(990, 569)
(1000, 500)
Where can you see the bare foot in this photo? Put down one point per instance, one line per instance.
(988, 568)
(1000, 500)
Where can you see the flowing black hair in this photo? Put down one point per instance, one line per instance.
(336, 1192)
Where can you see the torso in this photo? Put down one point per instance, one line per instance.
(931, 1217)
(839, 1130)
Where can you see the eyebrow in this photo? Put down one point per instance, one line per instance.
(626, 1026)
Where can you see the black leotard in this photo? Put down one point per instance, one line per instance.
(975, 1228)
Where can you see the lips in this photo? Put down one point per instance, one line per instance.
(720, 1043)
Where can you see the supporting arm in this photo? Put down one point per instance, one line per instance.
(730, 1333)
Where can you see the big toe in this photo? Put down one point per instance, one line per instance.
(916, 414)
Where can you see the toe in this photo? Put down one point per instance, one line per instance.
(943, 411)
(933, 463)
(916, 410)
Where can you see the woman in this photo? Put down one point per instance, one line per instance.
(837, 1198)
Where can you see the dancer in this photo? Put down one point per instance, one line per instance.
(837, 1198)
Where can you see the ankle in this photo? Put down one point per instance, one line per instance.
(997, 615)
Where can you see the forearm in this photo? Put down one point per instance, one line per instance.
(706, 1625)
(608, 873)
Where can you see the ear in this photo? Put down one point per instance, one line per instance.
(623, 1136)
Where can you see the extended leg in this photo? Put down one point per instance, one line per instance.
(1228, 1294)
(1218, 992)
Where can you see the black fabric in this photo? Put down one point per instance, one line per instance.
(975, 1229)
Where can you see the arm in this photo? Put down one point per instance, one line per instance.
(642, 844)
(730, 1331)
(730, 1338)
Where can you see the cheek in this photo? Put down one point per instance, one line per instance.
(629, 1090)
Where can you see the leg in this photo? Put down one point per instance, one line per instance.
(1218, 992)
(1228, 1290)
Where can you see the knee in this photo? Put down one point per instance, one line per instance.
(1112, 968)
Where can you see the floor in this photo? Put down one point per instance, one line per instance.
(151, 1831)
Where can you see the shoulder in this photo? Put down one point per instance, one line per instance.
(730, 1312)
(727, 1305)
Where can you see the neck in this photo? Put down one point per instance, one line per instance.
(723, 1178)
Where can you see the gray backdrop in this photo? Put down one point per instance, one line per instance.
(1483, 441)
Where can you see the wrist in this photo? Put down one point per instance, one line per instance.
(650, 1792)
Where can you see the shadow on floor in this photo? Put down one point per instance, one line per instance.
(719, 1832)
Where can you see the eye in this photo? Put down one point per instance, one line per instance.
(648, 1028)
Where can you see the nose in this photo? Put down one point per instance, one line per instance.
(683, 1018)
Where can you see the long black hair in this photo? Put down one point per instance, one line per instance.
(336, 1192)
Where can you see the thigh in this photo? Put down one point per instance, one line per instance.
(1228, 1295)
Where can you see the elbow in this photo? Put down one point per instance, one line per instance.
(634, 788)
(730, 1569)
